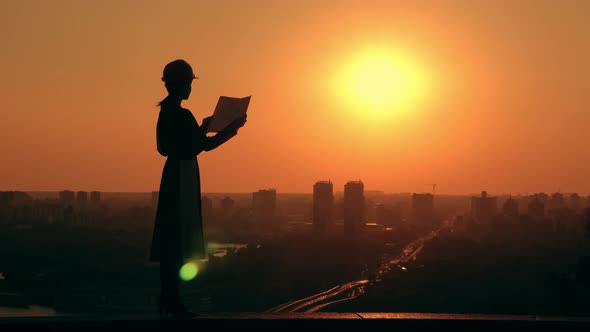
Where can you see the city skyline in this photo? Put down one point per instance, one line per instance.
(337, 190)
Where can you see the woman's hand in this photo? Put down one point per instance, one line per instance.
(237, 123)
(206, 122)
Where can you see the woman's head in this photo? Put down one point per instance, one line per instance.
(178, 76)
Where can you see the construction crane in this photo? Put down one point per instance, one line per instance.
(433, 188)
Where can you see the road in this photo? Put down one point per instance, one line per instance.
(353, 289)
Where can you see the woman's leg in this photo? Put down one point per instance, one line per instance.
(169, 280)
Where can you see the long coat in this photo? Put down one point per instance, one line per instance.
(178, 228)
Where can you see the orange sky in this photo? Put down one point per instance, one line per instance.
(506, 112)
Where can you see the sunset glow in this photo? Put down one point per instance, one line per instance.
(395, 93)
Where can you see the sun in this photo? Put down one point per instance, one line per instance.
(379, 82)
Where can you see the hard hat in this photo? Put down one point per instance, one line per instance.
(178, 71)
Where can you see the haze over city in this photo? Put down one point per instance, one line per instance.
(487, 96)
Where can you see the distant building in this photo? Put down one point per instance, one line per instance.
(323, 206)
(95, 196)
(510, 208)
(264, 204)
(5, 199)
(227, 204)
(382, 213)
(206, 203)
(370, 214)
(536, 208)
(15, 207)
(207, 209)
(422, 208)
(155, 195)
(338, 213)
(82, 199)
(226, 211)
(67, 198)
(387, 215)
(484, 207)
(575, 202)
(49, 211)
(15, 198)
(564, 219)
(557, 201)
(354, 205)
(543, 197)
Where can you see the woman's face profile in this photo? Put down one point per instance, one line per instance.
(186, 90)
(183, 91)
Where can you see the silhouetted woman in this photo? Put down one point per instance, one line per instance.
(178, 229)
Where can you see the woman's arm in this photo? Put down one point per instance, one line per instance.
(163, 135)
(201, 142)
(210, 143)
(223, 136)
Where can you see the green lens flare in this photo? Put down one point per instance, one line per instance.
(188, 271)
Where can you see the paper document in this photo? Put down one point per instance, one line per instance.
(227, 110)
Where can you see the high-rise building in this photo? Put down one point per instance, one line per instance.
(484, 207)
(422, 208)
(354, 207)
(510, 208)
(264, 204)
(67, 197)
(323, 206)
